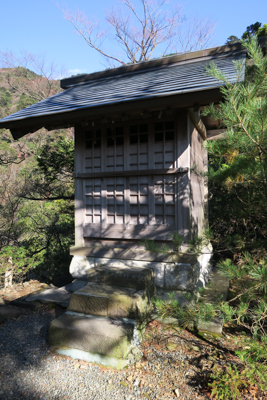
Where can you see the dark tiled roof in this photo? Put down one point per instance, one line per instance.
(175, 78)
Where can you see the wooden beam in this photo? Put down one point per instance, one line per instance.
(143, 172)
(198, 123)
(216, 134)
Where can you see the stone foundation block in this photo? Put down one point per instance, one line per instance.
(110, 301)
(96, 335)
(80, 265)
(133, 278)
(181, 277)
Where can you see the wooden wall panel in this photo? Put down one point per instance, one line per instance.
(139, 205)
(79, 197)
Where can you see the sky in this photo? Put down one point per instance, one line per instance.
(39, 27)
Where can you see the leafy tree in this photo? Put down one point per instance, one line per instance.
(252, 30)
(232, 39)
(238, 164)
(37, 210)
(255, 30)
(36, 183)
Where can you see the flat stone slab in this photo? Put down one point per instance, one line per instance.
(111, 301)
(213, 326)
(95, 335)
(59, 296)
(8, 312)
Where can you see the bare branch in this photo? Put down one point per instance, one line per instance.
(142, 28)
(33, 76)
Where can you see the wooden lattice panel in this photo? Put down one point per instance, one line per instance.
(139, 200)
(115, 189)
(164, 150)
(134, 201)
(93, 143)
(138, 147)
(93, 201)
(164, 195)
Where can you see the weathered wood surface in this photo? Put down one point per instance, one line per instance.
(130, 173)
(197, 181)
(79, 197)
(198, 123)
(133, 180)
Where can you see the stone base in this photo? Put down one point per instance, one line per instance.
(95, 335)
(112, 301)
(187, 276)
(94, 358)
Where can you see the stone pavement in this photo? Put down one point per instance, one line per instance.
(56, 295)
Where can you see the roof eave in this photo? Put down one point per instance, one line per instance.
(21, 127)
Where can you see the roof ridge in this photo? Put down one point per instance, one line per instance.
(215, 52)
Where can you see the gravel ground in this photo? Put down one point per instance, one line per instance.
(30, 370)
(176, 364)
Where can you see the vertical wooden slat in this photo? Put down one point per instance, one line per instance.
(79, 197)
(126, 160)
(127, 202)
(176, 165)
(151, 165)
(182, 140)
(104, 202)
(103, 150)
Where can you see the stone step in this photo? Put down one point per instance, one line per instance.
(129, 277)
(56, 295)
(111, 301)
(106, 341)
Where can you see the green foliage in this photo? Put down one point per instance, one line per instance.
(247, 305)
(232, 39)
(253, 351)
(56, 160)
(195, 245)
(25, 101)
(253, 30)
(155, 247)
(238, 163)
(229, 382)
(7, 154)
(247, 308)
(5, 98)
(30, 218)
(15, 260)
(188, 315)
(36, 183)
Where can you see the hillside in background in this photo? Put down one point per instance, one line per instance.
(20, 87)
(36, 185)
